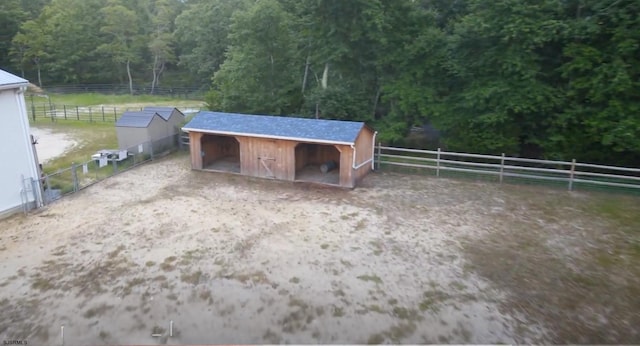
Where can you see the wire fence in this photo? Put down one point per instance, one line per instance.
(105, 164)
(54, 113)
(504, 169)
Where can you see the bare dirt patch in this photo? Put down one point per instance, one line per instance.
(51, 144)
(402, 259)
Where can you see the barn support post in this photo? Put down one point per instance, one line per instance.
(572, 174)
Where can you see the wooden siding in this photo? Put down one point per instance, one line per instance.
(216, 147)
(267, 158)
(315, 154)
(195, 149)
(364, 152)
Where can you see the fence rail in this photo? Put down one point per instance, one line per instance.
(54, 112)
(123, 89)
(568, 173)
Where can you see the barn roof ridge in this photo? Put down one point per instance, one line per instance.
(137, 118)
(278, 127)
(164, 111)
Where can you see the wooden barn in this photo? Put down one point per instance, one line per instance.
(330, 152)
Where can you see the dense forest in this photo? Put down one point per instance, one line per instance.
(557, 79)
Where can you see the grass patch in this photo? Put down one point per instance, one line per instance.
(338, 311)
(42, 284)
(432, 300)
(192, 278)
(131, 284)
(89, 137)
(95, 99)
(373, 278)
(97, 311)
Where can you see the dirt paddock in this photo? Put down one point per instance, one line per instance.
(198, 257)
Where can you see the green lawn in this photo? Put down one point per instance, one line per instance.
(91, 137)
(93, 99)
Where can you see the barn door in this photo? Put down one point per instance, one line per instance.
(267, 160)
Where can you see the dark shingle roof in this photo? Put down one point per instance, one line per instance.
(164, 112)
(276, 127)
(136, 119)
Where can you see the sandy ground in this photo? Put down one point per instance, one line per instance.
(51, 144)
(214, 258)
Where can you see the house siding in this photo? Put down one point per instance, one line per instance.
(16, 151)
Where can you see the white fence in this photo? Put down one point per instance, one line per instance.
(502, 167)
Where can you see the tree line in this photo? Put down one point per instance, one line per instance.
(557, 79)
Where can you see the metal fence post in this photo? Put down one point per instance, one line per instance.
(74, 175)
(501, 167)
(438, 163)
(64, 108)
(571, 174)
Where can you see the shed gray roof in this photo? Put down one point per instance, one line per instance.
(137, 119)
(164, 112)
(8, 80)
(334, 131)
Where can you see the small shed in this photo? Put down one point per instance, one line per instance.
(172, 115)
(157, 125)
(330, 152)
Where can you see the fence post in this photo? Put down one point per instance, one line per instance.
(571, 174)
(90, 115)
(115, 117)
(379, 153)
(102, 113)
(501, 167)
(77, 113)
(115, 166)
(438, 163)
(74, 174)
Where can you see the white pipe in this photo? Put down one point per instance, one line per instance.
(353, 164)
(373, 152)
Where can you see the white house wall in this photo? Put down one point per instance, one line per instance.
(16, 151)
